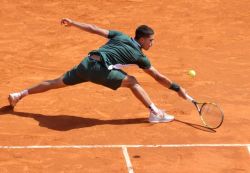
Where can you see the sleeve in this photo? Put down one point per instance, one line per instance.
(113, 33)
(144, 63)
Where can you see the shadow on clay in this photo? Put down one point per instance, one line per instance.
(69, 122)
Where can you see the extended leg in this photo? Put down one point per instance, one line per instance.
(156, 115)
(47, 85)
(39, 88)
(138, 91)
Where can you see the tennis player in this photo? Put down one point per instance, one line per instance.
(103, 67)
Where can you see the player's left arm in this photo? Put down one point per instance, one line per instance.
(163, 80)
(86, 27)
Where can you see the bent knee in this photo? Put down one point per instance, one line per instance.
(129, 81)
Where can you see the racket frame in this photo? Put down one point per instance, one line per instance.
(199, 109)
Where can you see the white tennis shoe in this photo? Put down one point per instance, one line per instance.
(161, 117)
(14, 98)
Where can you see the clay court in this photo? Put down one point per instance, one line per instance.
(92, 129)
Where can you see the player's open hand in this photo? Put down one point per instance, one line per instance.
(66, 22)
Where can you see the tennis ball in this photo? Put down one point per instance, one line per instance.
(191, 73)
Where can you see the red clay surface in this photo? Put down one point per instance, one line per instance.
(70, 160)
(210, 36)
(205, 160)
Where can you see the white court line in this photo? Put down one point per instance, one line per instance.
(248, 148)
(127, 159)
(121, 146)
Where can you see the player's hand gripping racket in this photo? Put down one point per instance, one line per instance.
(210, 113)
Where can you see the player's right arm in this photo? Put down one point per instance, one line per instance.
(86, 27)
(164, 80)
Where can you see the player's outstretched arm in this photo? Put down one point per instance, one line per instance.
(86, 27)
(158, 76)
(165, 81)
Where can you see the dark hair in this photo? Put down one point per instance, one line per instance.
(143, 31)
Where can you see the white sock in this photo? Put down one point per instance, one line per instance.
(24, 93)
(153, 108)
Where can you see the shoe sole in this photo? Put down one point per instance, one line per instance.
(161, 121)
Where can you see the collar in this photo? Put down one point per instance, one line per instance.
(136, 43)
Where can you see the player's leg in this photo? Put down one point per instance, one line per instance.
(156, 115)
(138, 91)
(39, 88)
(71, 77)
(47, 85)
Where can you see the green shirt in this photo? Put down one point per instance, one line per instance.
(122, 49)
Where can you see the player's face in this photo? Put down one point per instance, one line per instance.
(147, 42)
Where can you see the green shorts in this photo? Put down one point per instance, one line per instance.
(90, 70)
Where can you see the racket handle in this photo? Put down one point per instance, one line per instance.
(189, 98)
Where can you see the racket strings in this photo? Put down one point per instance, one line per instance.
(212, 115)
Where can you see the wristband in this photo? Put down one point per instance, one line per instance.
(175, 87)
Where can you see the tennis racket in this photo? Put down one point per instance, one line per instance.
(211, 114)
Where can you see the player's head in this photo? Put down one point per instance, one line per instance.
(144, 35)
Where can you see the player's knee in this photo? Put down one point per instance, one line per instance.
(131, 81)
